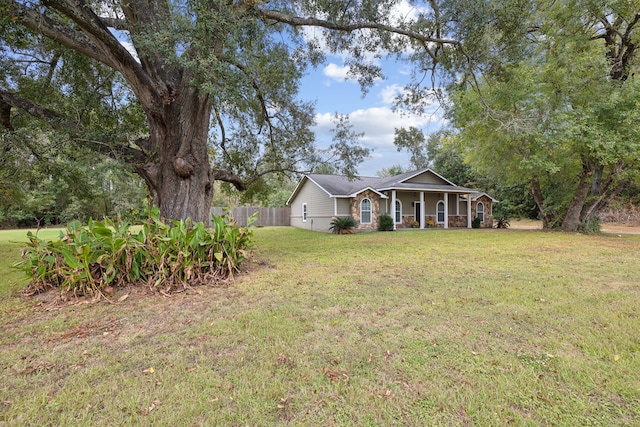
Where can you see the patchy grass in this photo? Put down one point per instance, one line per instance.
(417, 327)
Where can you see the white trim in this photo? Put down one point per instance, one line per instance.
(446, 210)
(420, 172)
(393, 207)
(382, 196)
(438, 213)
(480, 204)
(395, 219)
(422, 210)
(304, 212)
(468, 211)
(476, 196)
(300, 185)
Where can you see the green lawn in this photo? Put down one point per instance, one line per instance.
(417, 327)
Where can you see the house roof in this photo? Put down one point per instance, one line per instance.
(342, 187)
(476, 196)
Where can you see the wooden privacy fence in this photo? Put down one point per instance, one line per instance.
(266, 216)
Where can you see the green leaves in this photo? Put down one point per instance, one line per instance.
(343, 225)
(562, 116)
(166, 257)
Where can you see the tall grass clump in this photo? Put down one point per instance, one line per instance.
(166, 256)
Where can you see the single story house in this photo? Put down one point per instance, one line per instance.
(418, 199)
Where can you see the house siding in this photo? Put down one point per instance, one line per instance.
(319, 208)
(322, 208)
(427, 178)
(344, 207)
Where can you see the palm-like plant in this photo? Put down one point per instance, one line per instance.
(343, 225)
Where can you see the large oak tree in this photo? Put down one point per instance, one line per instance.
(216, 81)
(557, 104)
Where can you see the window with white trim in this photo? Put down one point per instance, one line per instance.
(480, 211)
(440, 212)
(398, 211)
(304, 212)
(365, 211)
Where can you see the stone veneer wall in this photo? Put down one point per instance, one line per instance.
(375, 209)
(488, 218)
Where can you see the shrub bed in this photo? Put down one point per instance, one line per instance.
(166, 256)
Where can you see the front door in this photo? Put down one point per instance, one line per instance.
(417, 211)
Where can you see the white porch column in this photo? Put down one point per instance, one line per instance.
(446, 210)
(335, 206)
(392, 211)
(422, 212)
(468, 210)
(457, 205)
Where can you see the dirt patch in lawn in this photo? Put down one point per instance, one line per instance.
(524, 224)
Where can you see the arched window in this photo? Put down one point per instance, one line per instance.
(365, 211)
(440, 211)
(398, 211)
(480, 211)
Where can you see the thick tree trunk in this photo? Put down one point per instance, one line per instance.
(571, 221)
(600, 200)
(547, 219)
(179, 175)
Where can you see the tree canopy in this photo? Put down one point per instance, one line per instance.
(195, 91)
(564, 113)
(191, 92)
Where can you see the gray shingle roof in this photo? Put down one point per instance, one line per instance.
(338, 185)
(341, 186)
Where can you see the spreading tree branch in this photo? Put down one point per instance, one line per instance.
(60, 122)
(296, 21)
(93, 40)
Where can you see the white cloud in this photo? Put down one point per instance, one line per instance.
(378, 125)
(389, 93)
(336, 72)
(405, 11)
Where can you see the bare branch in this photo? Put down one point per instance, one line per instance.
(5, 115)
(95, 41)
(36, 110)
(58, 121)
(297, 21)
(230, 177)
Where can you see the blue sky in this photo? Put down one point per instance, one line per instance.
(373, 114)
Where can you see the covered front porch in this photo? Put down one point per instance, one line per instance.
(429, 209)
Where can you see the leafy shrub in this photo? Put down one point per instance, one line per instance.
(476, 223)
(502, 222)
(415, 224)
(590, 226)
(386, 223)
(168, 257)
(343, 225)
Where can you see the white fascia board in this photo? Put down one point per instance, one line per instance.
(454, 190)
(476, 196)
(295, 190)
(382, 196)
(319, 186)
(420, 172)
